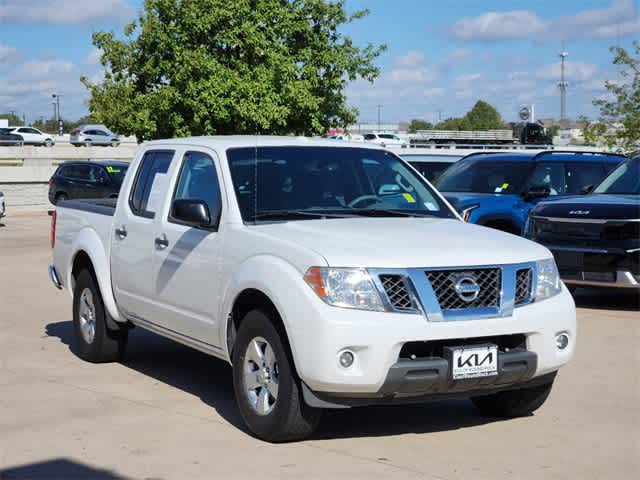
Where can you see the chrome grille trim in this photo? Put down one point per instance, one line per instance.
(488, 279)
(524, 286)
(414, 283)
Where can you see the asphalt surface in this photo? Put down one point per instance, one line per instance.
(168, 412)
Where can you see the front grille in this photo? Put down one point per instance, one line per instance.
(397, 293)
(444, 281)
(524, 280)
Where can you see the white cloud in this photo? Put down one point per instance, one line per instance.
(8, 55)
(619, 19)
(497, 26)
(65, 12)
(574, 71)
(434, 92)
(93, 59)
(411, 59)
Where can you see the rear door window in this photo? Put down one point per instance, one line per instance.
(153, 164)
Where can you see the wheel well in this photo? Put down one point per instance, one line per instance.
(247, 300)
(82, 262)
(504, 225)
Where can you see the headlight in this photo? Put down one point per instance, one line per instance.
(548, 283)
(344, 287)
(465, 213)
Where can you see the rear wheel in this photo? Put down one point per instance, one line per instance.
(94, 340)
(61, 197)
(266, 386)
(88, 143)
(513, 403)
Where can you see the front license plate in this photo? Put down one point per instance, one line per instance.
(473, 362)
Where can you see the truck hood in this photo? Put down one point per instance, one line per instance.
(596, 206)
(404, 242)
(460, 201)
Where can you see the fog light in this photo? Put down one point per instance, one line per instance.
(562, 340)
(346, 359)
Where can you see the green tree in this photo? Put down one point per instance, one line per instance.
(484, 117)
(481, 117)
(419, 124)
(13, 118)
(195, 67)
(619, 123)
(554, 130)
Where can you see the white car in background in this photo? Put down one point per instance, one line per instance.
(33, 136)
(385, 139)
(3, 209)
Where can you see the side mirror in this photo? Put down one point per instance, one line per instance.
(586, 190)
(537, 191)
(191, 212)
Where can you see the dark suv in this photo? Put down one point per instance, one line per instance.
(101, 179)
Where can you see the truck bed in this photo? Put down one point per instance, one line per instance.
(101, 206)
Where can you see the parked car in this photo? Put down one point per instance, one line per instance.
(329, 275)
(9, 139)
(3, 208)
(89, 135)
(430, 166)
(98, 179)
(498, 189)
(33, 136)
(385, 139)
(595, 238)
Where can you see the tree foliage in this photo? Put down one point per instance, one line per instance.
(482, 116)
(419, 124)
(12, 118)
(195, 67)
(619, 123)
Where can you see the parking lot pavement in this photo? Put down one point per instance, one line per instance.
(168, 412)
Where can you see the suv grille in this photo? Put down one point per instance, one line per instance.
(397, 292)
(523, 286)
(444, 281)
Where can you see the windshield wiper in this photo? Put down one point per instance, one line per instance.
(294, 215)
(382, 212)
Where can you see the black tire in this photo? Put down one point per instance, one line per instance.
(88, 143)
(115, 143)
(61, 197)
(48, 143)
(108, 344)
(291, 418)
(513, 403)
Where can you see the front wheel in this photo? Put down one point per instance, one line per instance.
(513, 403)
(265, 383)
(94, 340)
(48, 143)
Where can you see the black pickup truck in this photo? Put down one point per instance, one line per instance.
(595, 238)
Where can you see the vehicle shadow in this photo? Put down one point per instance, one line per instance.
(607, 299)
(57, 468)
(210, 379)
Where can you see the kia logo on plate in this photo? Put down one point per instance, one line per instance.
(467, 289)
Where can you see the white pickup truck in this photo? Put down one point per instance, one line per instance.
(330, 275)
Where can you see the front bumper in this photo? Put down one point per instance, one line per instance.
(377, 339)
(605, 267)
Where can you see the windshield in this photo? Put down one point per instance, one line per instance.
(477, 175)
(307, 182)
(117, 173)
(624, 180)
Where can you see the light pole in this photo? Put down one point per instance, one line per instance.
(57, 96)
(55, 114)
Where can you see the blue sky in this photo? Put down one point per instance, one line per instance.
(441, 55)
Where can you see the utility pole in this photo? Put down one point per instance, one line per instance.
(563, 84)
(379, 107)
(55, 114)
(439, 115)
(57, 96)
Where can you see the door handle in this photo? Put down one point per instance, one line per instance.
(121, 232)
(162, 242)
